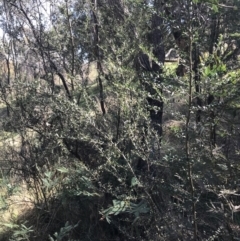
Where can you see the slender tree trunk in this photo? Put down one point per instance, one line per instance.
(72, 45)
(155, 40)
(213, 41)
(188, 141)
(97, 53)
(197, 79)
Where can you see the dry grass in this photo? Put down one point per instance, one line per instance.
(15, 199)
(16, 205)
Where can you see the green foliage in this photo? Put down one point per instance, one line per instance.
(19, 232)
(126, 206)
(64, 232)
(115, 174)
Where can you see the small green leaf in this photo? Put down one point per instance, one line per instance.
(63, 170)
(10, 225)
(46, 182)
(215, 8)
(135, 182)
(48, 174)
